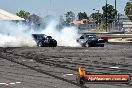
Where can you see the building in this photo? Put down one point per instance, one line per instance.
(4, 15)
(83, 24)
(125, 23)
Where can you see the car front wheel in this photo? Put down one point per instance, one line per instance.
(87, 45)
(40, 44)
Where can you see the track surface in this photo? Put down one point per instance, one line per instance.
(48, 67)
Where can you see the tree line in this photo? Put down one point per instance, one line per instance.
(109, 13)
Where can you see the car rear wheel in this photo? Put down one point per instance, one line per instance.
(90, 45)
(102, 45)
(53, 43)
(83, 45)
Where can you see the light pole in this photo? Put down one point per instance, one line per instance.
(116, 10)
(97, 12)
(115, 4)
(106, 17)
(50, 2)
(97, 16)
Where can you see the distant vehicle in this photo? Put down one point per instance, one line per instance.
(89, 40)
(43, 40)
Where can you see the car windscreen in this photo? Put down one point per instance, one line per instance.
(41, 36)
(92, 37)
(49, 37)
(87, 36)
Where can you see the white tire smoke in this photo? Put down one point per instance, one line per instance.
(18, 35)
(14, 35)
(65, 37)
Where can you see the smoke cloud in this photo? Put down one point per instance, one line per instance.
(65, 37)
(18, 35)
(15, 35)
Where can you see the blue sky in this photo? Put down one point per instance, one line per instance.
(58, 7)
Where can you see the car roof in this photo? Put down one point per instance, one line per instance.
(39, 34)
(88, 35)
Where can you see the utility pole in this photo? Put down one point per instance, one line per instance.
(106, 17)
(50, 3)
(115, 4)
(116, 10)
(50, 7)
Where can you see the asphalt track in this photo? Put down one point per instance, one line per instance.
(56, 67)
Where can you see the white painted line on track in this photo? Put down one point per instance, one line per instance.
(68, 74)
(23, 60)
(114, 67)
(13, 83)
(18, 82)
(2, 83)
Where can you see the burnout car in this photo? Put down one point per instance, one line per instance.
(89, 40)
(43, 40)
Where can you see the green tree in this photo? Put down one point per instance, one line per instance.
(30, 19)
(128, 10)
(23, 14)
(110, 12)
(69, 17)
(35, 19)
(82, 15)
(96, 16)
(102, 26)
(62, 22)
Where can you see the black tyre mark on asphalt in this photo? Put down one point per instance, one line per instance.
(58, 63)
(53, 62)
(39, 70)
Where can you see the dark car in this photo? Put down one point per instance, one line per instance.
(43, 40)
(89, 40)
